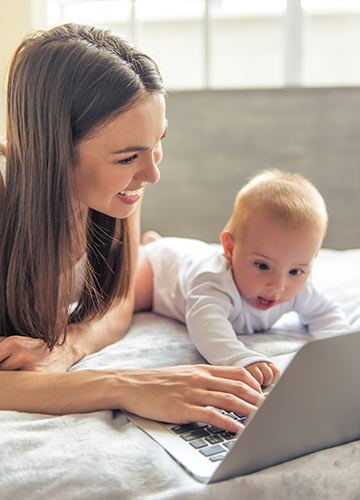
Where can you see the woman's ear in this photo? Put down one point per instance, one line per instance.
(227, 241)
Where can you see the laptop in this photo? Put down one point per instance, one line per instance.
(314, 405)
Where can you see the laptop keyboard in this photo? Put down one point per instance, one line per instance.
(209, 440)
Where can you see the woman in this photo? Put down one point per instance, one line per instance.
(85, 119)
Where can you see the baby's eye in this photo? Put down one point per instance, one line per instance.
(295, 272)
(129, 160)
(262, 266)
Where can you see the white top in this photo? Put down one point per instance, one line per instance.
(193, 283)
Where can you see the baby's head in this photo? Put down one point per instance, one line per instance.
(275, 232)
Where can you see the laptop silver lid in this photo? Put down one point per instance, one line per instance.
(315, 405)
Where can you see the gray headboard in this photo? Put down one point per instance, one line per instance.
(217, 139)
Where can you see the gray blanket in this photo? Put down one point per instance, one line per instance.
(102, 455)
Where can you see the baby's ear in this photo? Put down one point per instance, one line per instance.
(227, 241)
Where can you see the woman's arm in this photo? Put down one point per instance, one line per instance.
(25, 353)
(177, 394)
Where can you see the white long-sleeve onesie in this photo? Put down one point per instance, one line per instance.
(193, 283)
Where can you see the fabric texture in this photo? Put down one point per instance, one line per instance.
(102, 456)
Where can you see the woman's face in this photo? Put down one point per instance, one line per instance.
(114, 164)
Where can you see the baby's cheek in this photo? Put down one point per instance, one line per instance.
(295, 289)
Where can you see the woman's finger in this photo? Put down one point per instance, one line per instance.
(9, 364)
(235, 373)
(217, 379)
(5, 352)
(214, 417)
(227, 401)
(237, 389)
(211, 381)
(255, 371)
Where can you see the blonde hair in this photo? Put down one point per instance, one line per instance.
(289, 198)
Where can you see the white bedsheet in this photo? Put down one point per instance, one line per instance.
(102, 455)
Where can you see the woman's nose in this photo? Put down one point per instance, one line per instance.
(150, 171)
(156, 177)
(158, 153)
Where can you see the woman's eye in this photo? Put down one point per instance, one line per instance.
(129, 160)
(262, 266)
(295, 272)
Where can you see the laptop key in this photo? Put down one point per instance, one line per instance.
(227, 435)
(214, 439)
(230, 444)
(219, 410)
(214, 430)
(199, 433)
(179, 429)
(212, 450)
(217, 458)
(241, 418)
(199, 443)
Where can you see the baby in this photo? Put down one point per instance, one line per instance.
(260, 272)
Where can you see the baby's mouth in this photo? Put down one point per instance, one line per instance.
(263, 303)
(266, 302)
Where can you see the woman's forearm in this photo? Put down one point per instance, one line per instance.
(59, 393)
(175, 394)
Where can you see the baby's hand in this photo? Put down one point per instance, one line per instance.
(265, 373)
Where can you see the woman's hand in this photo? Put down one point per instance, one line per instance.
(25, 353)
(28, 354)
(182, 394)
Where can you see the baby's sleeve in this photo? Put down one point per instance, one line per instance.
(207, 318)
(319, 311)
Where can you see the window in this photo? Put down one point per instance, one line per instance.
(233, 43)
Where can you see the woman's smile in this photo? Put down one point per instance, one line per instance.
(130, 196)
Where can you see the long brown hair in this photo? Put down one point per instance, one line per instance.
(62, 84)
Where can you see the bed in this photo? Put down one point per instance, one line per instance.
(102, 455)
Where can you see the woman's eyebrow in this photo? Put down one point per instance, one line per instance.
(133, 149)
(130, 149)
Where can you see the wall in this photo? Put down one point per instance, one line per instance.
(217, 139)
